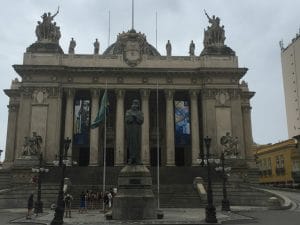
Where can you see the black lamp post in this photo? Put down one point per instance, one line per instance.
(210, 211)
(225, 201)
(60, 207)
(38, 208)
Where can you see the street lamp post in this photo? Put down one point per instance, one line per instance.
(210, 212)
(38, 208)
(225, 201)
(60, 207)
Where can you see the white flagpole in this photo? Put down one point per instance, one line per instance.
(104, 152)
(156, 30)
(157, 139)
(108, 29)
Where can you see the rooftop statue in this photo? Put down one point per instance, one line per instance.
(72, 46)
(47, 31)
(215, 34)
(192, 49)
(214, 38)
(169, 48)
(96, 47)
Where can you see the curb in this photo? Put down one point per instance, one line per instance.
(286, 203)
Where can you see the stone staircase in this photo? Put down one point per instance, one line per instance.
(176, 187)
(5, 179)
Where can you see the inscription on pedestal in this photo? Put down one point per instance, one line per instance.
(134, 181)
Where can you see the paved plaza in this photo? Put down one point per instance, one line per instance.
(171, 216)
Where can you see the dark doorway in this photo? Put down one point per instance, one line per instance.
(153, 156)
(179, 156)
(84, 156)
(110, 157)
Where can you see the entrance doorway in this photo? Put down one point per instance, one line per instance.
(110, 157)
(179, 156)
(153, 157)
(84, 157)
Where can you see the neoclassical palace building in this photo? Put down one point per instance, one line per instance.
(188, 97)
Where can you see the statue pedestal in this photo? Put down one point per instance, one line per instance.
(27, 161)
(135, 199)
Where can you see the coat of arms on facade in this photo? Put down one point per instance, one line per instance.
(132, 46)
(132, 52)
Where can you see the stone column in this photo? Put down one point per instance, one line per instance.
(94, 133)
(145, 154)
(194, 126)
(10, 153)
(248, 139)
(69, 119)
(170, 146)
(119, 151)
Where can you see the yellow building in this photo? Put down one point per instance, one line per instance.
(279, 163)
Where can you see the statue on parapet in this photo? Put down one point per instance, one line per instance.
(96, 47)
(192, 49)
(134, 119)
(72, 46)
(169, 48)
(230, 145)
(32, 145)
(47, 31)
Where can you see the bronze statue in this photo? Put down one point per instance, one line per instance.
(134, 118)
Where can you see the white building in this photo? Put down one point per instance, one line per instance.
(290, 60)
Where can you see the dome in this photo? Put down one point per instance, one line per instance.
(131, 41)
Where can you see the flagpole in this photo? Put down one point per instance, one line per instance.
(104, 153)
(157, 139)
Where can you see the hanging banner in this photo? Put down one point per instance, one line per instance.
(81, 122)
(182, 123)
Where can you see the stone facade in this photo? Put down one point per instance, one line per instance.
(44, 101)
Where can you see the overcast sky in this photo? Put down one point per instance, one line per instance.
(253, 29)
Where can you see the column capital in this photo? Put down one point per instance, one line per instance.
(12, 107)
(246, 108)
(95, 92)
(145, 93)
(120, 93)
(194, 93)
(169, 93)
(70, 92)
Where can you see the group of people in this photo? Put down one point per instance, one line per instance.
(92, 200)
(88, 200)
